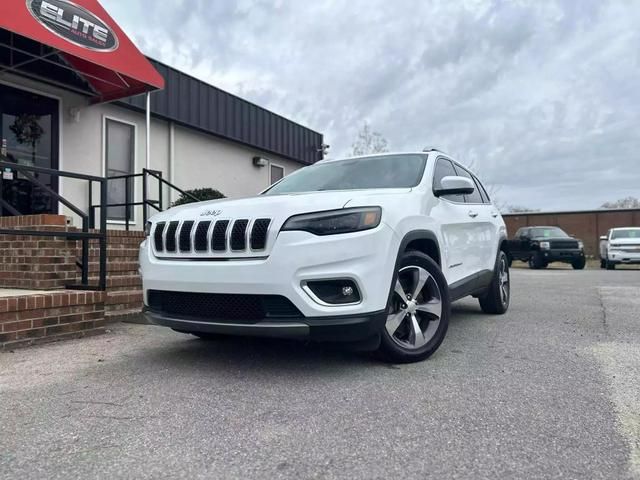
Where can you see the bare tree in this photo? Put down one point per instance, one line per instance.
(517, 209)
(627, 202)
(368, 141)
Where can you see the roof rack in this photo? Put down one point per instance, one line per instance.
(432, 149)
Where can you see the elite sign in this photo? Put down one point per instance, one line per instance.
(74, 23)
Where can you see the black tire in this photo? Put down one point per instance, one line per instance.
(536, 262)
(579, 264)
(610, 265)
(498, 296)
(510, 260)
(603, 263)
(435, 291)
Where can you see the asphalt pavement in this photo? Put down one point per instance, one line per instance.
(549, 390)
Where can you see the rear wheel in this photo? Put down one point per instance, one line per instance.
(418, 312)
(496, 299)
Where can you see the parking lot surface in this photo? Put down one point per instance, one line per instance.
(550, 390)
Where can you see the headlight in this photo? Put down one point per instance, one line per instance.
(580, 245)
(147, 229)
(545, 245)
(336, 221)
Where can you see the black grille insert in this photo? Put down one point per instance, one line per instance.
(219, 236)
(200, 240)
(239, 235)
(185, 236)
(157, 236)
(564, 244)
(221, 307)
(259, 233)
(170, 243)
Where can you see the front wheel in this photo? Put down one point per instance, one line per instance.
(611, 265)
(579, 264)
(498, 296)
(418, 311)
(536, 262)
(603, 263)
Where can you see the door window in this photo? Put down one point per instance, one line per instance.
(444, 168)
(474, 197)
(120, 160)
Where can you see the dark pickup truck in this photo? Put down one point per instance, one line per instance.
(539, 246)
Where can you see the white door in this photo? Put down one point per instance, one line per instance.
(458, 252)
(483, 230)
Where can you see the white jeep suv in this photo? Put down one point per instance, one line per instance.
(370, 250)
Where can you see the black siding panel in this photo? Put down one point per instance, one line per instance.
(193, 103)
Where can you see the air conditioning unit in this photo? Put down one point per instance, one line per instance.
(260, 162)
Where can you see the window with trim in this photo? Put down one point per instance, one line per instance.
(119, 160)
(474, 197)
(444, 168)
(277, 173)
(483, 191)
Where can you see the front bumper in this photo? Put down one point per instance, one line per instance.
(350, 328)
(619, 256)
(368, 258)
(566, 256)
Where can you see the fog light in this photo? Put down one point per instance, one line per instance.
(333, 292)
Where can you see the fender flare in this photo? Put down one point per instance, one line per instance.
(406, 240)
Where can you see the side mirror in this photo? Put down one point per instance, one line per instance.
(603, 237)
(454, 186)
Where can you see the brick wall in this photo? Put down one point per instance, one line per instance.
(40, 263)
(587, 226)
(28, 319)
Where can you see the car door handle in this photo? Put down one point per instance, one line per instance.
(473, 214)
(494, 214)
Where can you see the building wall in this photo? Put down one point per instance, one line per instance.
(199, 159)
(587, 226)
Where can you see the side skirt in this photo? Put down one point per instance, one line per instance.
(471, 285)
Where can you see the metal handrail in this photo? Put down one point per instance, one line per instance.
(146, 202)
(85, 236)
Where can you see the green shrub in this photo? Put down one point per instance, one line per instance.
(201, 194)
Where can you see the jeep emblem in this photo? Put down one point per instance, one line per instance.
(210, 213)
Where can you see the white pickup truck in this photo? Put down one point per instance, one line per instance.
(620, 246)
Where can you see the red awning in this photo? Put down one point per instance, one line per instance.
(88, 39)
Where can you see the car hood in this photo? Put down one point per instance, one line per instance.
(276, 207)
(626, 241)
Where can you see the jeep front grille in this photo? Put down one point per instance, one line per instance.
(190, 238)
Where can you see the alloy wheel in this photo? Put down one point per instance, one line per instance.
(416, 308)
(503, 281)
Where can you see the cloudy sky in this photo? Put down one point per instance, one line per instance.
(541, 97)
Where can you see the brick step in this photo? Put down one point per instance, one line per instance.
(35, 318)
(125, 297)
(129, 282)
(133, 315)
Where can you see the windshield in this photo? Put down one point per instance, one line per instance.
(548, 232)
(388, 171)
(630, 233)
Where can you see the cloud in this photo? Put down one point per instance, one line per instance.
(541, 97)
